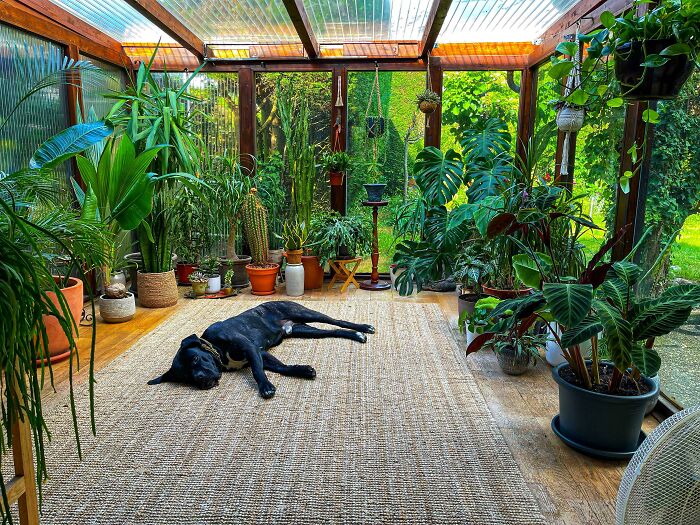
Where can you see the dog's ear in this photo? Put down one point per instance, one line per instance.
(189, 340)
(165, 378)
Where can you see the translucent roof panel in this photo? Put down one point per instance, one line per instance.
(500, 20)
(335, 21)
(235, 21)
(116, 18)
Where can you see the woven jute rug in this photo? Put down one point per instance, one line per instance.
(392, 431)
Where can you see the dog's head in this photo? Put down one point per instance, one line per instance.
(192, 365)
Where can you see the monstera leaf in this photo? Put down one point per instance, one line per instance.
(569, 303)
(69, 143)
(439, 175)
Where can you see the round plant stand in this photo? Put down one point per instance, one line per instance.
(373, 283)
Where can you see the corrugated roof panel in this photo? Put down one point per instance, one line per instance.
(500, 20)
(337, 21)
(115, 18)
(235, 21)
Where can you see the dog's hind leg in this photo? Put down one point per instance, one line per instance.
(300, 314)
(273, 364)
(310, 332)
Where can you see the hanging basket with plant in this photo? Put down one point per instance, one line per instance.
(336, 164)
(428, 101)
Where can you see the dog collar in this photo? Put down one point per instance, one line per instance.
(207, 346)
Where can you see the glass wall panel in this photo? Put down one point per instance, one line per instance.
(395, 149)
(672, 219)
(39, 117)
(96, 85)
(293, 129)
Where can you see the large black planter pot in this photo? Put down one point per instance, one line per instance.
(375, 192)
(600, 424)
(650, 83)
(375, 126)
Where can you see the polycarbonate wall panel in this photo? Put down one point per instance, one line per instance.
(235, 21)
(109, 80)
(500, 20)
(44, 114)
(335, 21)
(116, 18)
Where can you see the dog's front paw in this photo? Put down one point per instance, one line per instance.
(305, 371)
(360, 337)
(267, 390)
(367, 328)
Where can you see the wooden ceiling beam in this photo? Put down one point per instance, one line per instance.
(169, 24)
(297, 13)
(436, 18)
(24, 17)
(588, 11)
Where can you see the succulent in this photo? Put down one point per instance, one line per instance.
(228, 278)
(254, 216)
(198, 277)
(116, 291)
(428, 96)
(210, 266)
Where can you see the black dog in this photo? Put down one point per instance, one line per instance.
(245, 340)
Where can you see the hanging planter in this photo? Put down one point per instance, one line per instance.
(639, 82)
(570, 118)
(375, 126)
(428, 101)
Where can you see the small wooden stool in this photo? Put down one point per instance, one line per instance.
(343, 269)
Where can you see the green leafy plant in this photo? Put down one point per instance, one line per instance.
(527, 344)
(478, 321)
(294, 235)
(330, 231)
(210, 266)
(228, 278)
(338, 161)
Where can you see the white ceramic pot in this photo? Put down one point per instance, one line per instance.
(117, 310)
(294, 278)
(553, 354)
(214, 284)
(470, 336)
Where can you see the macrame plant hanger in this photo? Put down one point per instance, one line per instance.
(337, 126)
(375, 86)
(573, 80)
(430, 87)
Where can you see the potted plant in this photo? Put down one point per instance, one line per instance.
(471, 270)
(117, 305)
(199, 281)
(333, 233)
(428, 101)
(475, 323)
(226, 285)
(261, 272)
(294, 236)
(210, 268)
(336, 164)
(515, 353)
(375, 125)
(374, 188)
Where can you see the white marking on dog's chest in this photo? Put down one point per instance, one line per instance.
(233, 364)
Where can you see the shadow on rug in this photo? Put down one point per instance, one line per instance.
(392, 431)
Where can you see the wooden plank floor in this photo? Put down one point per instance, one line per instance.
(570, 488)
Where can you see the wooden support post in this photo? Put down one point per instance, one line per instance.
(527, 110)
(567, 181)
(246, 118)
(631, 206)
(22, 487)
(339, 133)
(433, 121)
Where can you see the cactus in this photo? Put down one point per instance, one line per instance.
(255, 227)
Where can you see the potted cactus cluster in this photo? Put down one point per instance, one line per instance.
(261, 272)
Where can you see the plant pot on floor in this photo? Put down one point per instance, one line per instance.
(512, 362)
(294, 279)
(466, 302)
(506, 294)
(240, 276)
(553, 354)
(599, 424)
(184, 270)
(157, 290)
(117, 310)
(276, 256)
(58, 345)
(135, 261)
(313, 273)
(293, 256)
(214, 284)
(199, 288)
(374, 192)
(651, 83)
(262, 279)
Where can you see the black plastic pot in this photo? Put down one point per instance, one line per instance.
(650, 83)
(375, 192)
(601, 424)
(375, 126)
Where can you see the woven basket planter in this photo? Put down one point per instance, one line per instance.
(427, 107)
(157, 290)
(570, 119)
(117, 310)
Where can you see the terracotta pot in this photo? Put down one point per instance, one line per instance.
(157, 290)
(293, 256)
(262, 280)
(117, 310)
(427, 107)
(184, 270)
(506, 294)
(59, 347)
(313, 273)
(336, 178)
